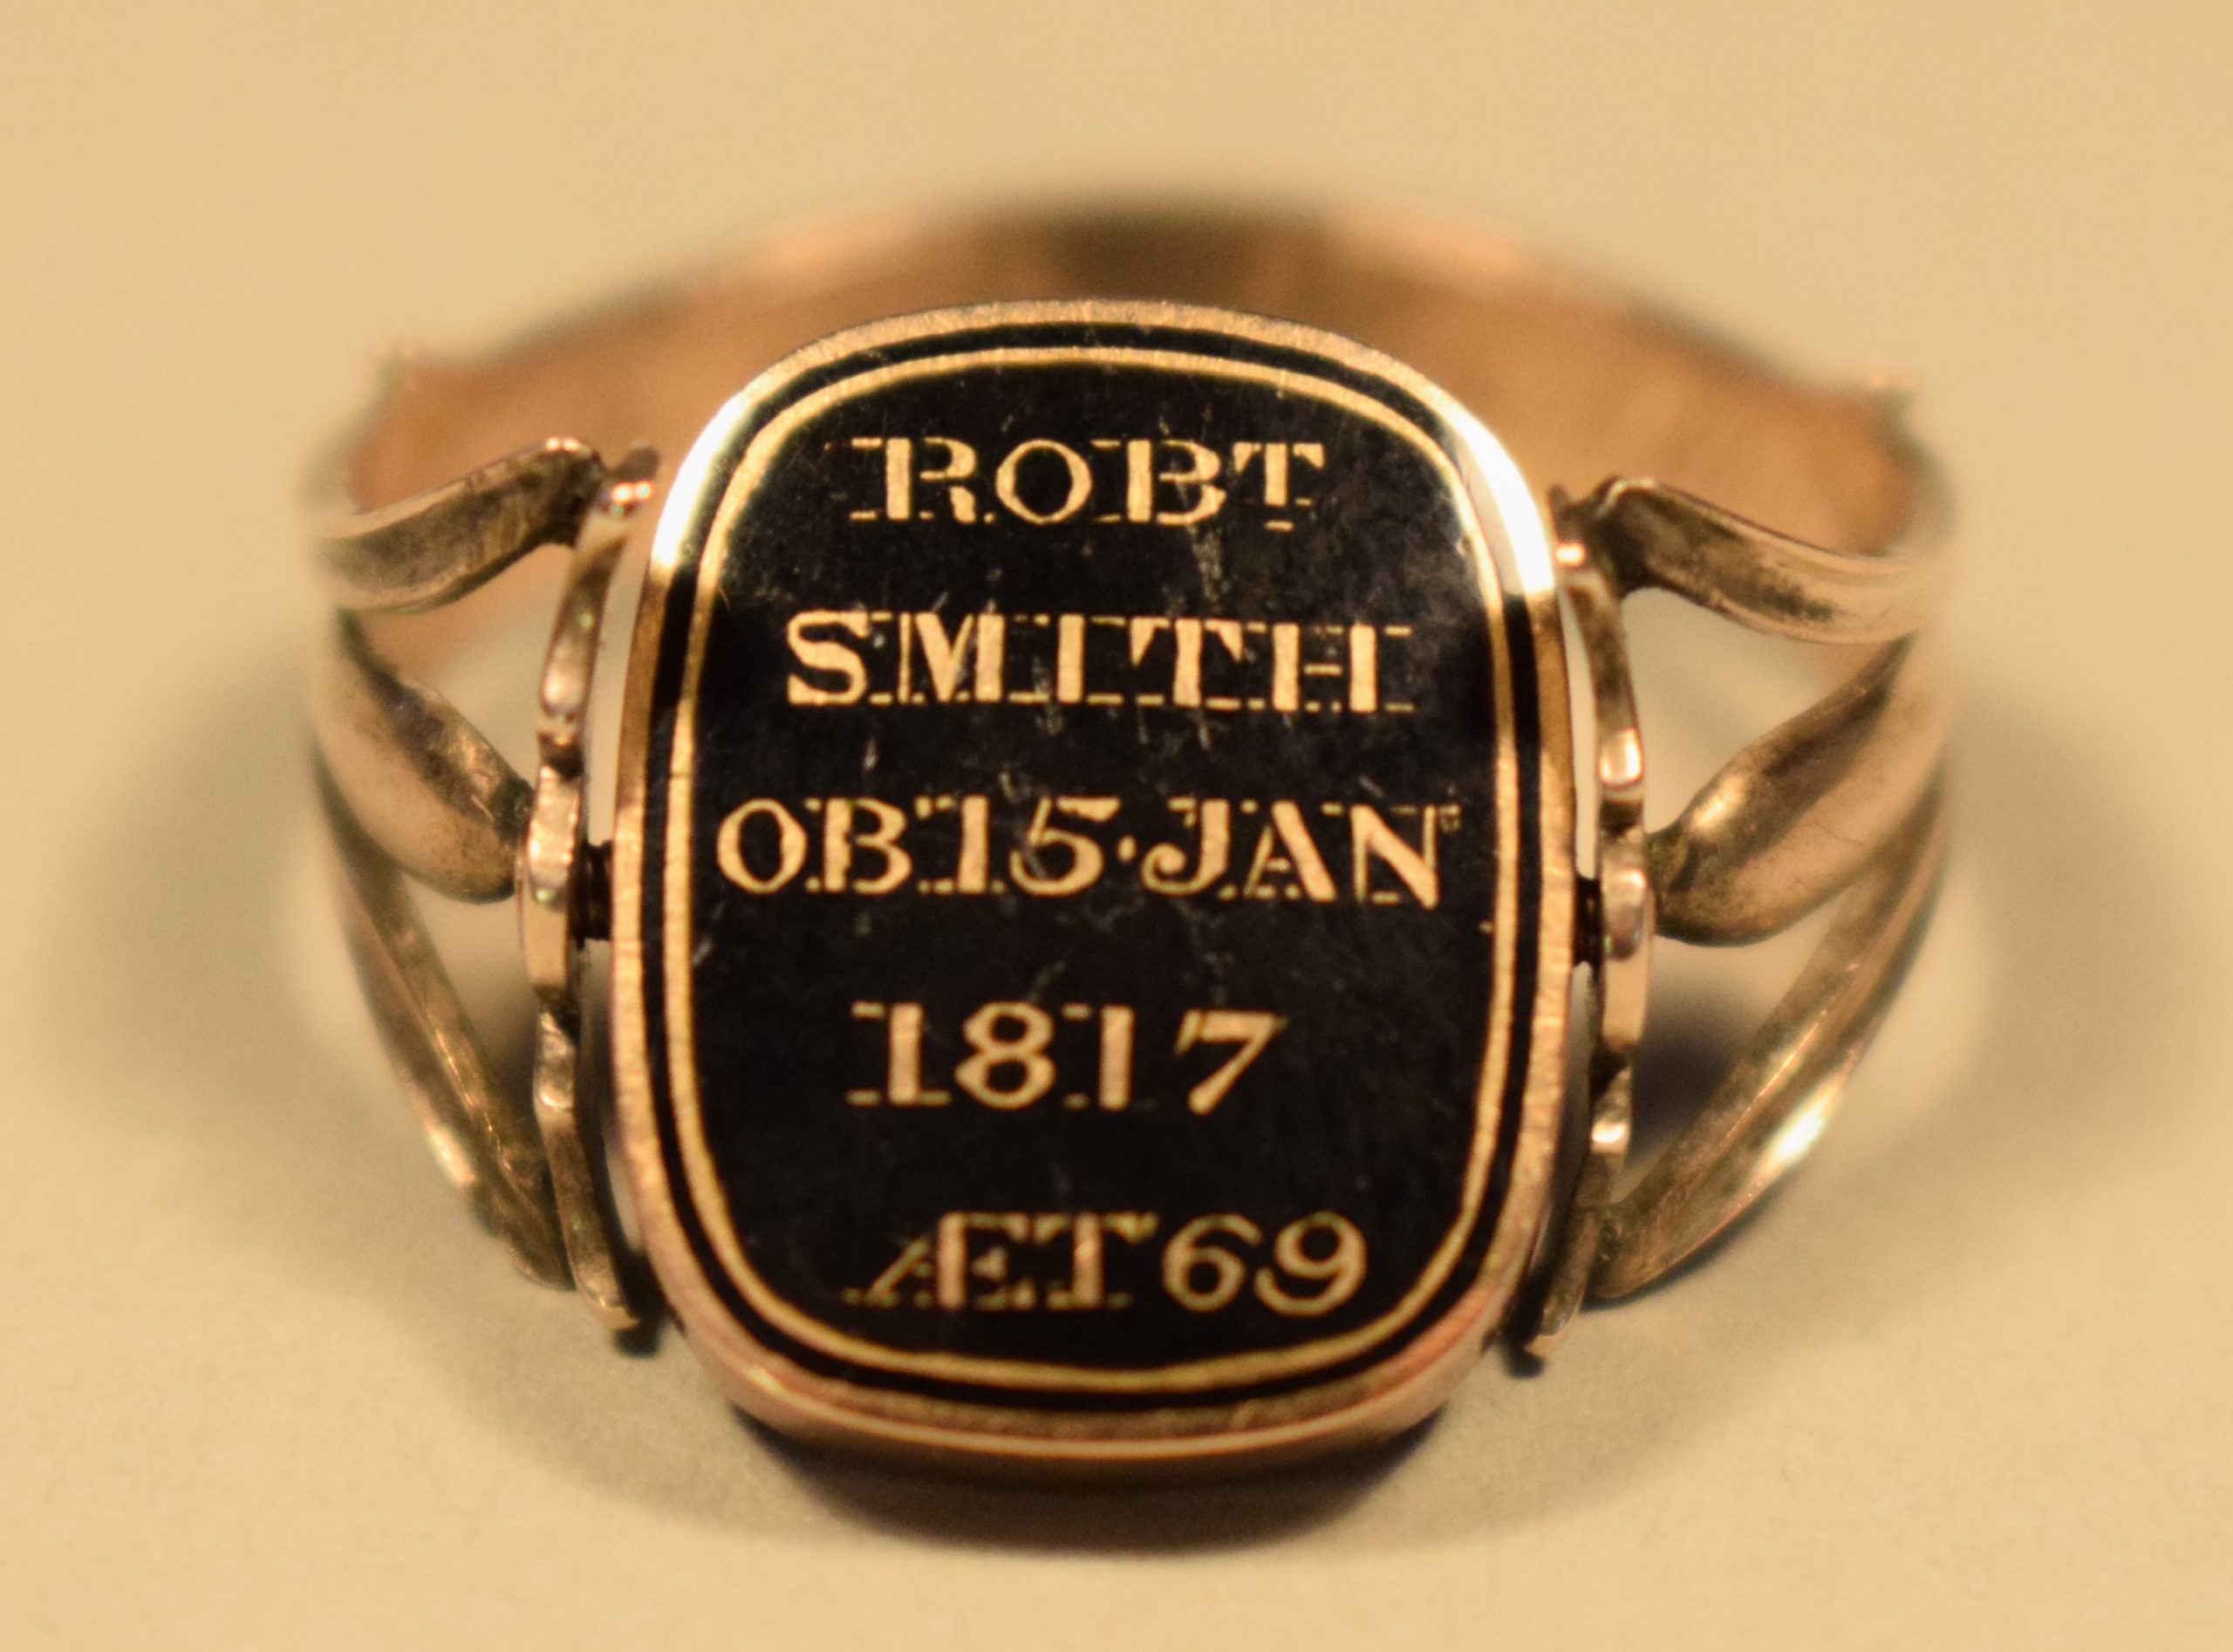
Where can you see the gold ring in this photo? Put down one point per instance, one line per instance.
(1127, 756)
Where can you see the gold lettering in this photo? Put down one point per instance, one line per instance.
(1364, 669)
(1080, 480)
(1163, 868)
(839, 658)
(790, 847)
(1190, 1250)
(991, 656)
(914, 1262)
(970, 1261)
(942, 655)
(1069, 658)
(898, 476)
(954, 1260)
(1085, 1288)
(995, 1049)
(826, 654)
(904, 1060)
(1372, 837)
(863, 848)
(1027, 864)
(958, 1262)
(1286, 847)
(1201, 474)
(1140, 633)
(1139, 480)
(970, 868)
(961, 465)
(1134, 1227)
(1286, 665)
(1186, 662)
(1170, 481)
(1337, 1273)
(841, 841)
(1250, 1029)
(1116, 1056)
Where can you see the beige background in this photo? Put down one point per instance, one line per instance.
(1969, 1383)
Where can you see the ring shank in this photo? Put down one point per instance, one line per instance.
(1792, 508)
(1580, 382)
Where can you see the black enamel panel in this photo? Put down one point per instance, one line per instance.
(1011, 1084)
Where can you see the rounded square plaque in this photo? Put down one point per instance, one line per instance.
(1094, 899)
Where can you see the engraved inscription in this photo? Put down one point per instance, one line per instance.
(1087, 874)
(1170, 480)
(1211, 663)
(1009, 1065)
(1016, 1261)
(1220, 848)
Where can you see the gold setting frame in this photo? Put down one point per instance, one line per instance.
(1507, 529)
(1797, 509)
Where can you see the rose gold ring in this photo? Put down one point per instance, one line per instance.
(1128, 756)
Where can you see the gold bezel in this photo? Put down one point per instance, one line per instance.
(1384, 1396)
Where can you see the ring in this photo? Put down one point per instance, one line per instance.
(1129, 901)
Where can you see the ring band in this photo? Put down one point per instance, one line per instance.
(1095, 886)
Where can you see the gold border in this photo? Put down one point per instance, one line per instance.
(769, 443)
(775, 1386)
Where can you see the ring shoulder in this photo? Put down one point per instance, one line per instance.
(1653, 536)
(432, 548)
(1845, 800)
(414, 792)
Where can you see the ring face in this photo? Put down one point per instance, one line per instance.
(1091, 887)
